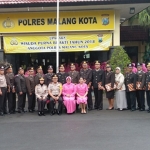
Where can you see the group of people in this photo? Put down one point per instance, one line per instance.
(73, 89)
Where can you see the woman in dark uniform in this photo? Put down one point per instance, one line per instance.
(109, 85)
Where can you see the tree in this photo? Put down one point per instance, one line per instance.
(146, 57)
(119, 58)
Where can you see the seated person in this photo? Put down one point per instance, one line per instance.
(69, 91)
(82, 91)
(55, 90)
(41, 93)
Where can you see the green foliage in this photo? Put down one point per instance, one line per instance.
(146, 57)
(119, 58)
(143, 18)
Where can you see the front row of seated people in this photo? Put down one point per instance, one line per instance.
(69, 94)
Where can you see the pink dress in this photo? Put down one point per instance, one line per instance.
(81, 89)
(69, 102)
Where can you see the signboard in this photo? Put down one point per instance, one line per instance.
(67, 43)
(46, 21)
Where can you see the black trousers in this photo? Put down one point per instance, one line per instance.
(148, 99)
(98, 98)
(11, 101)
(21, 101)
(53, 102)
(131, 99)
(31, 101)
(41, 104)
(141, 99)
(89, 100)
(3, 100)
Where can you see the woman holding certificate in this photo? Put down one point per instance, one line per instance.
(109, 86)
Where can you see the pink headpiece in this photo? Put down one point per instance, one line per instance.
(68, 78)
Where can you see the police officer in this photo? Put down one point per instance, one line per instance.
(30, 83)
(48, 76)
(86, 73)
(140, 83)
(98, 78)
(41, 92)
(3, 91)
(147, 84)
(11, 94)
(21, 90)
(39, 75)
(62, 75)
(74, 74)
(55, 91)
(130, 82)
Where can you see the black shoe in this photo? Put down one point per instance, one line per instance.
(11, 112)
(52, 113)
(142, 109)
(42, 113)
(24, 111)
(31, 111)
(133, 109)
(58, 113)
(1, 114)
(19, 111)
(138, 108)
(39, 113)
(5, 113)
(100, 109)
(90, 109)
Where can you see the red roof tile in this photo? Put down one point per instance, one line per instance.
(133, 33)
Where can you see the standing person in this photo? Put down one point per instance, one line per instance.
(74, 74)
(86, 73)
(82, 91)
(48, 76)
(11, 94)
(41, 93)
(130, 82)
(69, 91)
(120, 90)
(55, 91)
(140, 83)
(21, 90)
(3, 91)
(62, 75)
(39, 75)
(98, 79)
(30, 82)
(109, 82)
(147, 84)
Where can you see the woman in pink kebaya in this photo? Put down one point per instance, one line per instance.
(69, 91)
(82, 91)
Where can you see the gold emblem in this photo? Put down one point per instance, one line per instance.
(148, 65)
(13, 42)
(40, 67)
(8, 23)
(61, 65)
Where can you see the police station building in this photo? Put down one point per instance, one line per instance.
(88, 29)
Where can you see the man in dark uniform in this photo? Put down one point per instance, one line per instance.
(21, 90)
(62, 75)
(30, 83)
(74, 74)
(55, 91)
(48, 76)
(3, 91)
(86, 73)
(11, 94)
(130, 82)
(147, 84)
(98, 78)
(140, 83)
(38, 75)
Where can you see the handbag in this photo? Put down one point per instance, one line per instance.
(109, 88)
(131, 87)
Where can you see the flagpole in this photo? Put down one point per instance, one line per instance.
(57, 35)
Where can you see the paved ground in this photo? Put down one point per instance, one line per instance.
(97, 130)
